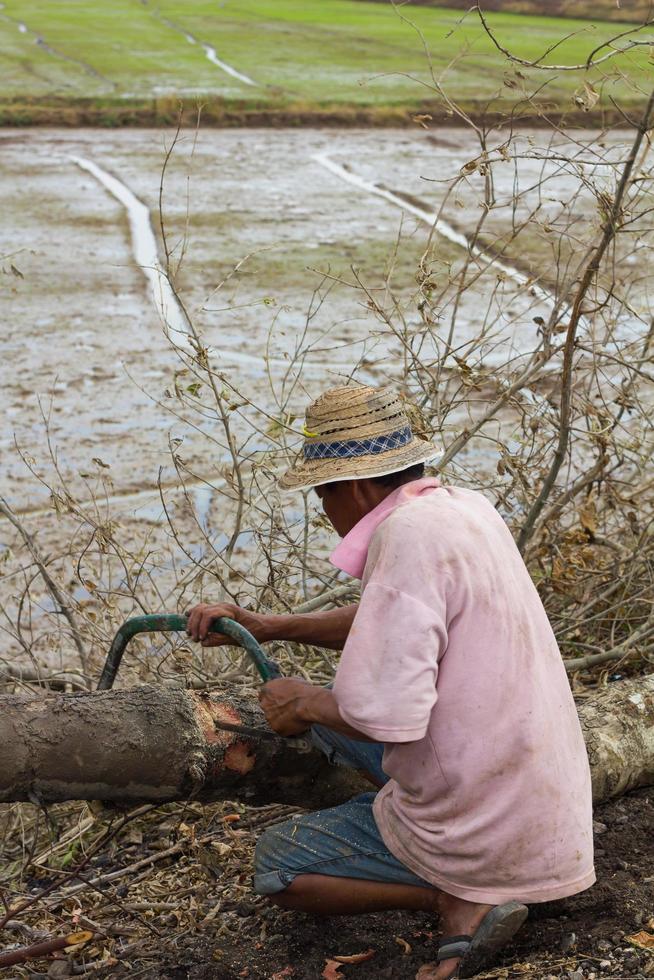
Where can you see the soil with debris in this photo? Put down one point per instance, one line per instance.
(165, 893)
(588, 936)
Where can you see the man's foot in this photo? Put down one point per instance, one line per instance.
(490, 928)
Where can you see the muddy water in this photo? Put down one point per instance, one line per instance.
(432, 220)
(82, 341)
(145, 249)
(255, 222)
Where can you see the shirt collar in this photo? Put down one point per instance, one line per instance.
(351, 554)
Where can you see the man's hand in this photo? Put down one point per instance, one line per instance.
(322, 629)
(285, 704)
(200, 617)
(291, 705)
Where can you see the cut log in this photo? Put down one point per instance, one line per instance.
(156, 744)
(618, 726)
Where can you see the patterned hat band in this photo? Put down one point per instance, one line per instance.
(358, 447)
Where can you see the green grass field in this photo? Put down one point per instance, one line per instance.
(301, 53)
(634, 11)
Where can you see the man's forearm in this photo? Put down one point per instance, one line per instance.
(320, 707)
(322, 629)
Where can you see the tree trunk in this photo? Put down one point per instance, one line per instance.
(618, 726)
(154, 744)
(158, 744)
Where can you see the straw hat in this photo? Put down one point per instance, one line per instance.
(352, 433)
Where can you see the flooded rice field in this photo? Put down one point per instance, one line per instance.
(298, 259)
(82, 342)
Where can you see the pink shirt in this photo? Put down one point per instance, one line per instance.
(451, 661)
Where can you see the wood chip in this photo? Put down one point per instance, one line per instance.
(355, 957)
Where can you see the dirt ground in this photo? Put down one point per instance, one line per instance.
(167, 894)
(581, 937)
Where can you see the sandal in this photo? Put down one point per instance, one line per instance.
(475, 952)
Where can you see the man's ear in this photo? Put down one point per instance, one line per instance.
(358, 491)
(364, 494)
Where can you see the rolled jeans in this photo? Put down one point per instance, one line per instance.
(343, 841)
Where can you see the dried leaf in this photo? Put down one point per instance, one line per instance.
(356, 957)
(588, 516)
(288, 971)
(133, 835)
(78, 939)
(182, 659)
(332, 970)
(212, 857)
(423, 119)
(586, 97)
(644, 940)
(592, 95)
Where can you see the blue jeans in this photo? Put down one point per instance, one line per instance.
(343, 841)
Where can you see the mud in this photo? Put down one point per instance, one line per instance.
(89, 380)
(432, 219)
(82, 329)
(144, 247)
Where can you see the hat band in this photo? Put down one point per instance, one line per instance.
(358, 447)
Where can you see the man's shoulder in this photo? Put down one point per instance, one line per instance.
(442, 522)
(444, 503)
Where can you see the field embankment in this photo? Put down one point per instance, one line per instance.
(284, 63)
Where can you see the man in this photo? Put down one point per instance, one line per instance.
(450, 694)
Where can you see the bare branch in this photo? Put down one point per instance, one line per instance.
(590, 62)
(57, 595)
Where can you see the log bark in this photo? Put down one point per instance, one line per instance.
(618, 726)
(156, 744)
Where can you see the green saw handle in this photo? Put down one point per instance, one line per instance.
(171, 622)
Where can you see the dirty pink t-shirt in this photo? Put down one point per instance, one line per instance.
(451, 662)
